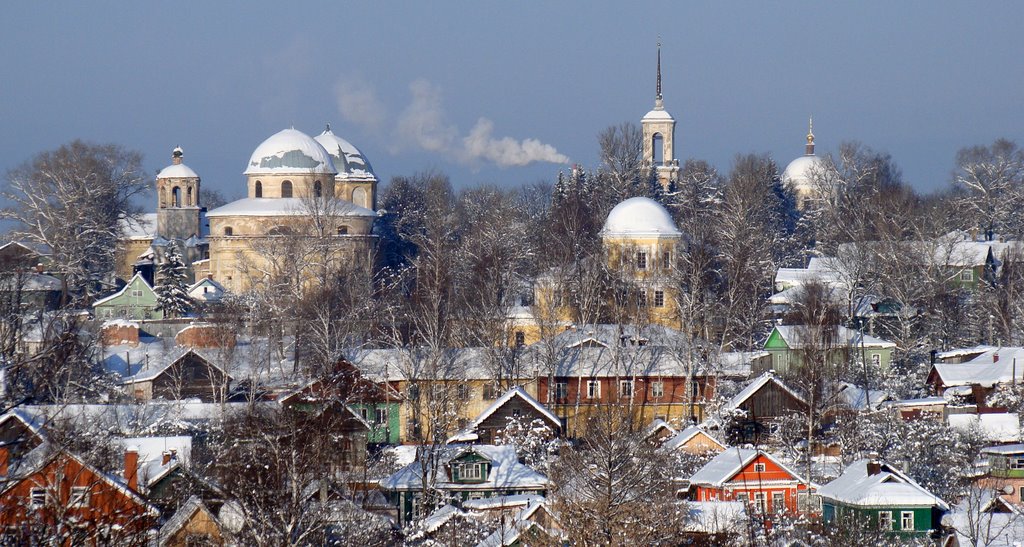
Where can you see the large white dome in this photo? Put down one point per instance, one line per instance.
(179, 171)
(801, 171)
(350, 162)
(290, 151)
(640, 217)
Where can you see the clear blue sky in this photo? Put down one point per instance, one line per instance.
(409, 82)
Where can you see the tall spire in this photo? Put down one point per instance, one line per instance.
(657, 96)
(809, 150)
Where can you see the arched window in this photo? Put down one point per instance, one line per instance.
(342, 230)
(280, 231)
(229, 231)
(359, 197)
(163, 197)
(188, 196)
(318, 190)
(259, 189)
(176, 193)
(286, 189)
(657, 151)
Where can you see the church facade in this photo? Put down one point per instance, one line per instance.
(302, 218)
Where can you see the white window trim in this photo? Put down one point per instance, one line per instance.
(33, 495)
(625, 388)
(906, 520)
(658, 389)
(471, 471)
(759, 468)
(79, 497)
(885, 520)
(593, 389)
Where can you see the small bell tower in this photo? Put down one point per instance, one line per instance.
(659, 135)
(177, 190)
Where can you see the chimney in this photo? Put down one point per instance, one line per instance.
(131, 467)
(39, 268)
(5, 460)
(874, 466)
(165, 458)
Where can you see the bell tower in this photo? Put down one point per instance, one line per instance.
(177, 190)
(659, 132)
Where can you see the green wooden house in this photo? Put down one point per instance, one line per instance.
(459, 473)
(786, 342)
(881, 497)
(135, 301)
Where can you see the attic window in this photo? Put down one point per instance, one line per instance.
(759, 468)
(472, 472)
(79, 496)
(967, 275)
(37, 498)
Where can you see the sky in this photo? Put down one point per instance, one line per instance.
(509, 93)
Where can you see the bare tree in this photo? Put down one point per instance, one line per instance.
(993, 179)
(74, 200)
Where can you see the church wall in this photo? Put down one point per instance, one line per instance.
(128, 252)
(175, 223)
(302, 185)
(346, 190)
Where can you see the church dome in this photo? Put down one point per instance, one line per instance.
(800, 171)
(640, 217)
(350, 162)
(287, 152)
(179, 171)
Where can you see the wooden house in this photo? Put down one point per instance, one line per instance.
(757, 478)
(192, 524)
(515, 405)
(884, 497)
(786, 342)
(763, 400)
(136, 300)
(693, 440)
(183, 374)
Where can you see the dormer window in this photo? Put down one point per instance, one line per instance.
(472, 471)
(472, 468)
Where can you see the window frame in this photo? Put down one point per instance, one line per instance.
(876, 359)
(967, 274)
(761, 502)
(34, 495)
(659, 298)
(626, 388)
(779, 502)
(78, 497)
(641, 260)
(476, 474)
(593, 389)
(906, 520)
(885, 520)
(561, 390)
(760, 468)
(658, 389)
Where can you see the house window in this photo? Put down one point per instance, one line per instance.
(593, 389)
(342, 230)
(779, 502)
(906, 520)
(743, 497)
(885, 520)
(666, 259)
(641, 299)
(471, 472)
(413, 392)
(641, 260)
(37, 498)
(382, 416)
(1017, 463)
(79, 496)
(694, 389)
(136, 293)
(759, 502)
(229, 231)
(626, 388)
(490, 392)
(365, 413)
(464, 392)
(658, 389)
(520, 338)
(318, 190)
(967, 275)
(286, 189)
(439, 392)
(876, 359)
(659, 299)
(561, 390)
(758, 468)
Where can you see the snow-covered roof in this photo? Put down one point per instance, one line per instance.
(40, 282)
(509, 533)
(290, 152)
(155, 369)
(143, 227)
(852, 396)
(506, 471)
(888, 487)
(179, 171)
(1017, 448)
(923, 401)
(151, 451)
(182, 516)
(658, 114)
(684, 436)
(793, 335)
(993, 366)
(984, 519)
(999, 428)
(350, 162)
(468, 433)
(123, 290)
(287, 207)
(501, 502)
(207, 290)
(723, 467)
(640, 217)
(755, 385)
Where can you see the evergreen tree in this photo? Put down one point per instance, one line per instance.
(172, 285)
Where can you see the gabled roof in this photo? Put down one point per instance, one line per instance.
(793, 336)
(169, 360)
(182, 516)
(853, 397)
(723, 467)
(657, 425)
(685, 435)
(469, 432)
(887, 488)
(511, 532)
(768, 377)
(123, 290)
(506, 471)
(995, 427)
(992, 366)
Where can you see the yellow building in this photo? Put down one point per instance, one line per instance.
(294, 221)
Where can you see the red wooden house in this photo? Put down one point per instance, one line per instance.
(757, 478)
(54, 494)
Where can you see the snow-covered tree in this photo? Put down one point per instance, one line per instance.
(172, 284)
